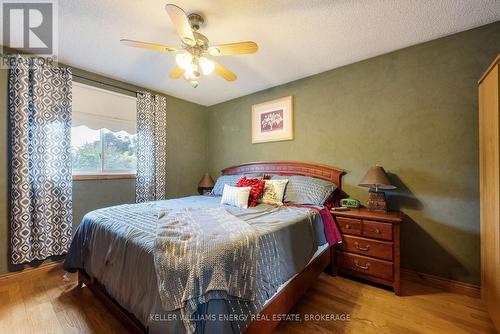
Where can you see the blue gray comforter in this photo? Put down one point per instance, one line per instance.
(116, 246)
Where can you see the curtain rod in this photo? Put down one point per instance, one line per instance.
(106, 84)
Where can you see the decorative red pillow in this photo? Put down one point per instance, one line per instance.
(256, 191)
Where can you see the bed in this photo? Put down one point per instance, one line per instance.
(114, 253)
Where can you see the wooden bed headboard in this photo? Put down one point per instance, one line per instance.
(325, 172)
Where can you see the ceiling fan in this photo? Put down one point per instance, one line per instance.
(191, 57)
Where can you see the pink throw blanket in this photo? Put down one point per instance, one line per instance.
(331, 231)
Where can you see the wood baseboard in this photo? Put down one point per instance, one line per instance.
(441, 283)
(30, 272)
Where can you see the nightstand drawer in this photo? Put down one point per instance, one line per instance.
(365, 265)
(373, 252)
(349, 225)
(377, 230)
(368, 247)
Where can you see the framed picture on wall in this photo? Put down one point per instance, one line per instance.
(272, 120)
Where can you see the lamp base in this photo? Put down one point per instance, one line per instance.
(376, 201)
(204, 190)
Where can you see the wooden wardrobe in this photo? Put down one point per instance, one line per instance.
(489, 167)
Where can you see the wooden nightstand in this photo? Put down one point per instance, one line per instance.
(370, 245)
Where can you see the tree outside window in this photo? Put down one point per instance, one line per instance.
(103, 151)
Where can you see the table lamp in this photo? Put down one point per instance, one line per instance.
(206, 184)
(375, 179)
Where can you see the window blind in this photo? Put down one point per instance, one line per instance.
(98, 108)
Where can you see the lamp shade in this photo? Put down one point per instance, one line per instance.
(376, 177)
(206, 181)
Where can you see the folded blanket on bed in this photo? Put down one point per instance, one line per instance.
(332, 233)
(203, 254)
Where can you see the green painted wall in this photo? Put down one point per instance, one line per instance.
(414, 111)
(186, 160)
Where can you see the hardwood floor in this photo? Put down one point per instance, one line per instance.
(419, 309)
(44, 303)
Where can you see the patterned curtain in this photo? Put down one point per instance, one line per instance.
(151, 147)
(40, 160)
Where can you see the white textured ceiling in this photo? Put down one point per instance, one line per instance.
(296, 38)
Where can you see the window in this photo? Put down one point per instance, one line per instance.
(103, 134)
(102, 151)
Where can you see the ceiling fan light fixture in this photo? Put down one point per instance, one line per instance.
(192, 59)
(192, 72)
(191, 76)
(184, 60)
(206, 65)
(214, 51)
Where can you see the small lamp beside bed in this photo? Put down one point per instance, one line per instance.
(375, 179)
(206, 184)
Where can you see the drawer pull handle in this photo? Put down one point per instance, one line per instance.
(365, 267)
(366, 248)
(347, 226)
(376, 230)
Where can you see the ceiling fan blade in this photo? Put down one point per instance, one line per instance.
(233, 49)
(224, 72)
(181, 23)
(176, 73)
(152, 46)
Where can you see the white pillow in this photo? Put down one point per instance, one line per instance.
(235, 196)
(274, 190)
